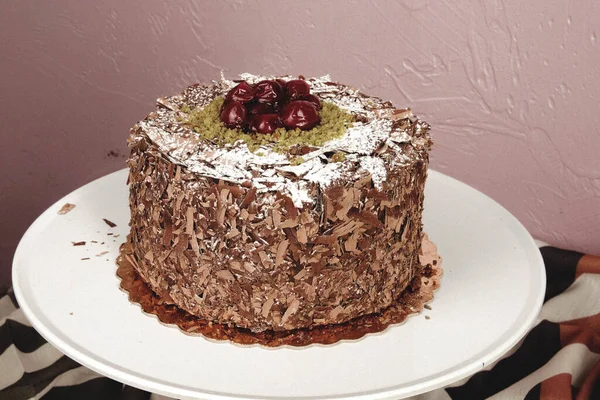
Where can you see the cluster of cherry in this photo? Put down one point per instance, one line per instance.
(269, 105)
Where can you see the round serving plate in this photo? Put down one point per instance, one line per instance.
(490, 295)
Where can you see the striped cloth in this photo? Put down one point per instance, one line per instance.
(558, 359)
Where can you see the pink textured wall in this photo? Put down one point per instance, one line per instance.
(511, 88)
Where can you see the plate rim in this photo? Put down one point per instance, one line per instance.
(133, 378)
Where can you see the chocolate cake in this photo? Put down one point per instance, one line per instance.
(274, 204)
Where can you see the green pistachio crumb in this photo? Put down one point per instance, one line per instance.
(207, 124)
(338, 156)
(296, 161)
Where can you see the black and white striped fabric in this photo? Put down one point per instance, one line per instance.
(558, 359)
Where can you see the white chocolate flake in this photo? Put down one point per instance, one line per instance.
(376, 167)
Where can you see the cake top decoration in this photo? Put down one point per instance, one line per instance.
(225, 122)
(284, 133)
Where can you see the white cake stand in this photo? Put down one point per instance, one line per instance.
(491, 293)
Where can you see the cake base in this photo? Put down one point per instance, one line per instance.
(413, 300)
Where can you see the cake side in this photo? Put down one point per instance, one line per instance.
(258, 255)
(228, 254)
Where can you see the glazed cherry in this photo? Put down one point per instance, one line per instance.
(300, 114)
(297, 89)
(242, 93)
(233, 115)
(269, 92)
(262, 108)
(271, 104)
(311, 98)
(265, 123)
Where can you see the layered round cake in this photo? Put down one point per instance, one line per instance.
(277, 203)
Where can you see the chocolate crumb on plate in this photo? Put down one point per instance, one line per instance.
(109, 223)
(82, 243)
(85, 258)
(427, 306)
(427, 317)
(66, 208)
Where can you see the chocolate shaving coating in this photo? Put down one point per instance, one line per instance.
(228, 254)
(411, 302)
